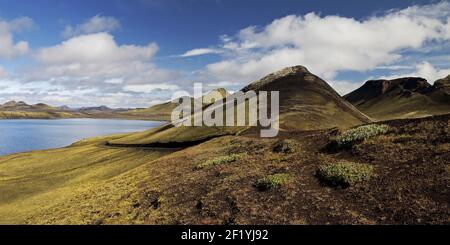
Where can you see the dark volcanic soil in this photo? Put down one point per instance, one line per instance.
(411, 185)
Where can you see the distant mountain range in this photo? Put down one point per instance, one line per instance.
(407, 97)
(22, 110)
(159, 112)
(22, 106)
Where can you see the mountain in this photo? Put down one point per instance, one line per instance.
(163, 111)
(441, 90)
(160, 112)
(402, 98)
(64, 108)
(209, 96)
(22, 110)
(443, 83)
(306, 103)
(95, 109)
(22, 106)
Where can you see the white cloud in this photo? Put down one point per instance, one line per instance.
(96, 58)
(432, 74)
(20, 24)
(95, 24)
(8, 47)
(327, 45)
(94, 48)
(146, 88)
(425, 70)
(200, 51)
(394, 67)
(114, 81)
(13, 87)
(93, 69)
(57, 95)
(344, 87)
(223, 84)
(90, 67)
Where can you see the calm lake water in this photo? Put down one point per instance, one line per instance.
(27, 135)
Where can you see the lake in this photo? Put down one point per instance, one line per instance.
(28, 135)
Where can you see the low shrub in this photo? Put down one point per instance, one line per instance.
(272, 181)
(218, 161)
(285, 146)
(356, 135)
(344, 173)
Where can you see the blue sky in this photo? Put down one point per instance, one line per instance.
(127, 53)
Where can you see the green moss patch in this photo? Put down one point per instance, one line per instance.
(344, 174)
(218, 161)
(272, 181)
(356, 135)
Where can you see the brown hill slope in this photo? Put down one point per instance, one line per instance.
(307, 102)
(402, 98)
(441, 90)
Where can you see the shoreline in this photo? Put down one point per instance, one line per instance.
(101, 118)
(83, 139)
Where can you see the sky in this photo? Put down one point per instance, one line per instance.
(136, 53)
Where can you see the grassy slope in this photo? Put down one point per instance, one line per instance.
(163, 112)
(315, 110)
(403, 107)
(160, 112)
(35, 180)
(411, 165)
(169, 134)
(401, 98)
